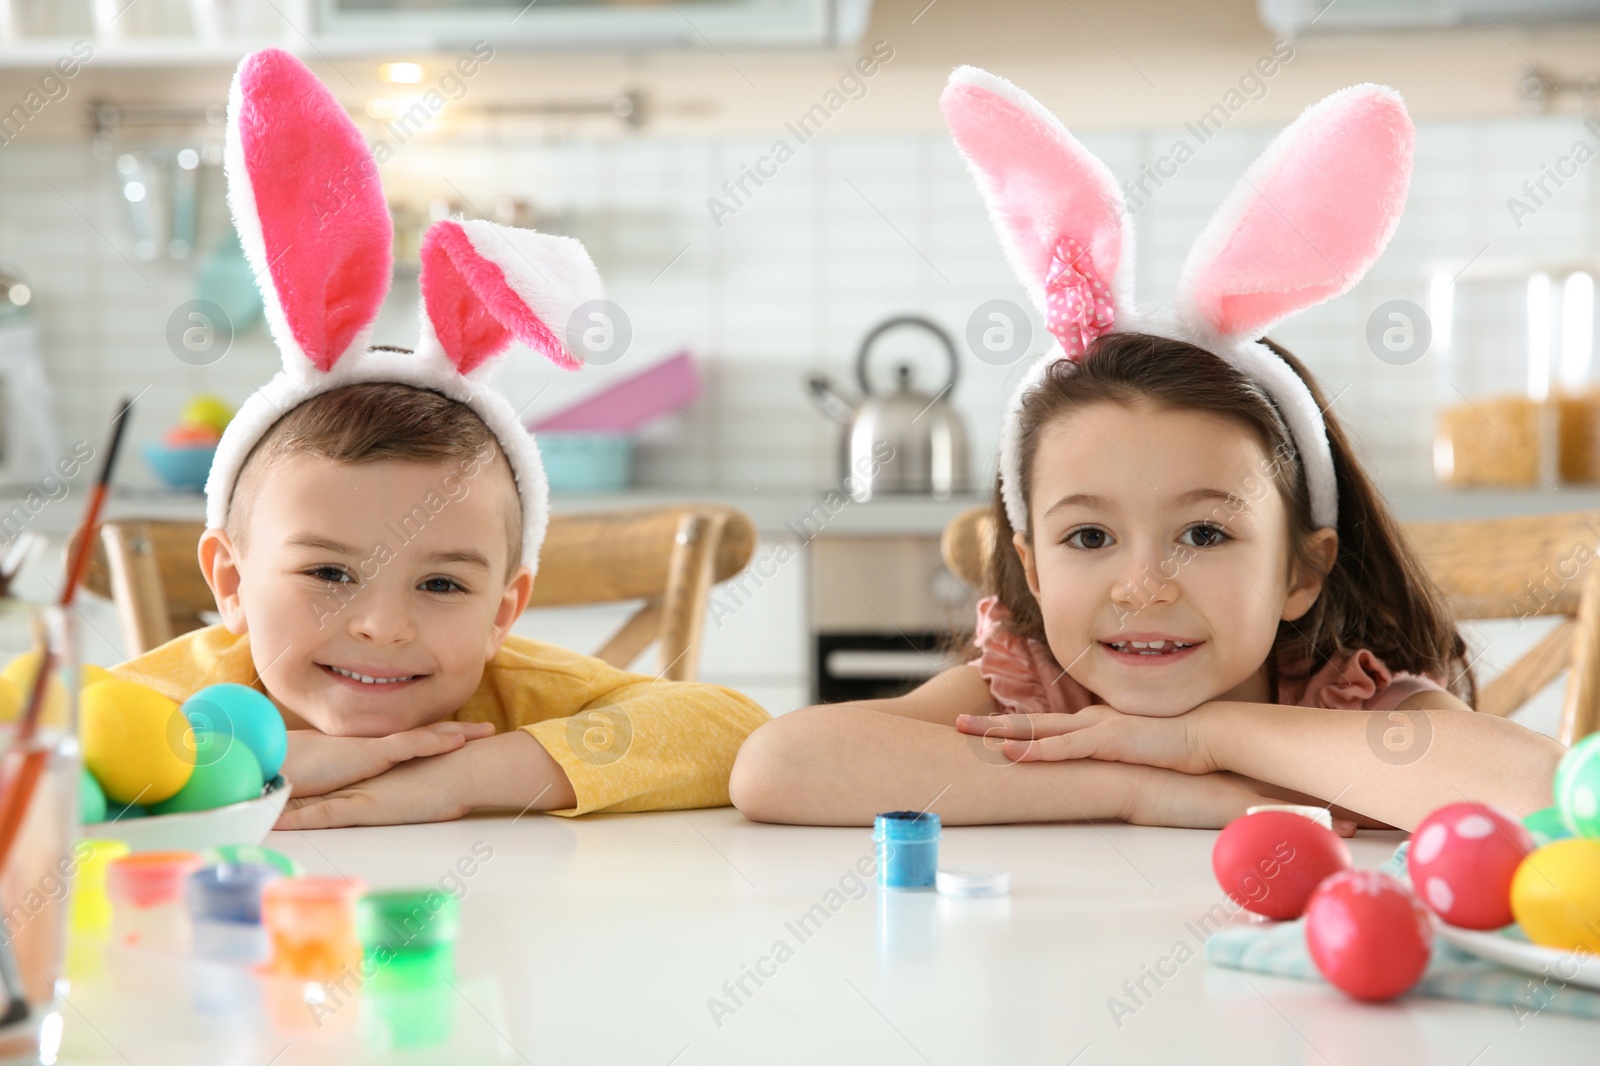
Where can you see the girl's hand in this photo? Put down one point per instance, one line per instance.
(1099, 732)
(317, 763)
(1200, 801)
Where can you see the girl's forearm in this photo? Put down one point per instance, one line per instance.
(1340, 756)
(841, 764)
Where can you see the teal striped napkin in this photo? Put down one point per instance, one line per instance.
(1280, 948)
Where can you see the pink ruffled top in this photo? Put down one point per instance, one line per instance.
(1024, 678)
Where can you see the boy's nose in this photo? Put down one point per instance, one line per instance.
(381, 615)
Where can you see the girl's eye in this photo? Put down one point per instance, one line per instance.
(442, 584)
(332, 575)
(1205, 535)
(1088, 538)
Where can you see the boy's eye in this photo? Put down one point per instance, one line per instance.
(1205, 535)
(442, 584)
(1087, 538)
(333, 575)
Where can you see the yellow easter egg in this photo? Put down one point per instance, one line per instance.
(1555, 895)
(90, 674)
(20, 672)
(136, 742)
(10, 701)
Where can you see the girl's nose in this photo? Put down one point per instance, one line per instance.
(1148, 580)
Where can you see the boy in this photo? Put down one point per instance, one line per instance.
(367, 575)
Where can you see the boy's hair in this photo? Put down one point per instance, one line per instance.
(1378, 596)
(370, 422)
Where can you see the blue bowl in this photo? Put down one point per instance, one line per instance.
(586, 462)
(180, 468)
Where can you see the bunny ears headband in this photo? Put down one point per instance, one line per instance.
(311, 215)
(1302, 225)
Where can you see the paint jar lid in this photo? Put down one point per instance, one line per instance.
(906, 827)
(407, 919)
(1321, 815)
(230, 892)
(973, 881)
(150, 878)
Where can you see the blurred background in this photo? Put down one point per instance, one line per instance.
(763, 184)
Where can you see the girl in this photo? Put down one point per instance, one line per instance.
(1199, 600)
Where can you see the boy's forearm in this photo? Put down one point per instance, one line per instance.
(511, 770)
(1341, 756)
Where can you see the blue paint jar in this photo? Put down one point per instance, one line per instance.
(908, 848)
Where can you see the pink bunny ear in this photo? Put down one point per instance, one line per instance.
(309, 208)
(1057, 208)
(1307, 219)
(484, 284)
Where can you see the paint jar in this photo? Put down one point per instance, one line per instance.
(146, 892)
(313, 963)
(91, 907)
(225, 909)
(908, 848)
(409, 938)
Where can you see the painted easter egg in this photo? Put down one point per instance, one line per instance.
(244, 713)
(1368, 935)
(1547, 826)
(91, 798)
(1271, 861)
(135, 742)
(225, 772)
(1577, 787)
(21, 673)
(1461, 861)
(1555, 895)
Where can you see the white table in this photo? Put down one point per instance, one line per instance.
(607, 937)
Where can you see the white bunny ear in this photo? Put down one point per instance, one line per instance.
(310, 211)
(1057, 208)
(484, 284)
(1307, 219)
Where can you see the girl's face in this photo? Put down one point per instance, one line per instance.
(1162, 527)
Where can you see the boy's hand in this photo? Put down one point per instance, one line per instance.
(422, 790)
(1200, 801)
(317, 763)
(1100, 732)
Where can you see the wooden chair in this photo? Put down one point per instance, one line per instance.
(1530, 565)
(669, 557)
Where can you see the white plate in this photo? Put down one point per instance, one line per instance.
(1510, 948)
(238, 823)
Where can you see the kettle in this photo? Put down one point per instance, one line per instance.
(906, 442)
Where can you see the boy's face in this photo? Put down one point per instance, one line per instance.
(373, 593)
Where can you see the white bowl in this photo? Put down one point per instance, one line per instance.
(248, 822)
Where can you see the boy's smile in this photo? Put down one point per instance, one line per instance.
(373, 593)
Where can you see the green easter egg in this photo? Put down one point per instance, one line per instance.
(1577, 787)
(224, 772)
(1546, 826)
(91, 799)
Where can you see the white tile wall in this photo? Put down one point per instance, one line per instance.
(854, 228)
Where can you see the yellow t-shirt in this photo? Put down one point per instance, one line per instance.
(626, 741)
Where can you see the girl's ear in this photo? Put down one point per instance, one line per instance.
(1041, 186)
(484, 285)
(1030, 568)
(1305, 582)
(219, 564)
(311, 215)
(1307, 219)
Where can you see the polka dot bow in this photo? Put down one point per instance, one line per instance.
(1077, 302)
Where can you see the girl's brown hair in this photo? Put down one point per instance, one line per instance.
(1377, 596)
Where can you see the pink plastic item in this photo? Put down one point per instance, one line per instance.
(630, 403)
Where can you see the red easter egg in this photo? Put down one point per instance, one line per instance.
(187, 436)
(1271, 861)
(1368, 934)
(1461, 861)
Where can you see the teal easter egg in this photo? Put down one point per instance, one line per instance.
(1547, 826)
(242, 712)
(225, 771)
(91, 799)
(120, 812)
(1577, 787)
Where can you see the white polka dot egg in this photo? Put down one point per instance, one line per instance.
(1461, 861)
